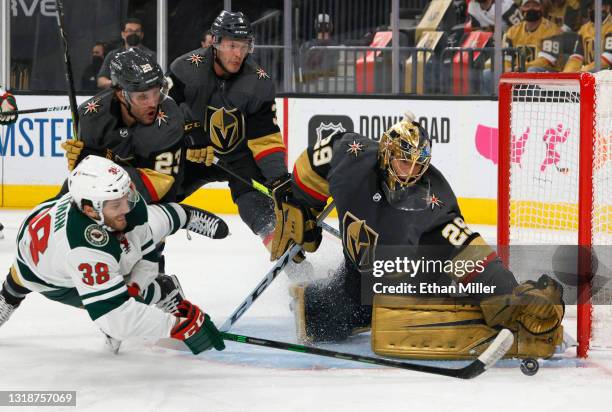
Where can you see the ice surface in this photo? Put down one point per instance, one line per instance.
(48, 346)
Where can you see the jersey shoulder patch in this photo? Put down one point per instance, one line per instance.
(188, 67)
(81, 231)
(97, 105)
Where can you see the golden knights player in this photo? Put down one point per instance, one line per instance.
(388, 195)
(229, 100)
(94, 248)
(135, 124)
(583, 57)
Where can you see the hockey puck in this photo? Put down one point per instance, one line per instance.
(530, 366)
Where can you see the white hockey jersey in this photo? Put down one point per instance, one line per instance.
(486, 18)
(60, 249)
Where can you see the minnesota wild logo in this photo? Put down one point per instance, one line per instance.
(96, 235)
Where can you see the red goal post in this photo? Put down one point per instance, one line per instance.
(555, 176)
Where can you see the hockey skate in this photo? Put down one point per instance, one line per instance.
(171, 293)
(204, 223)
(6, 310)
(111, 343)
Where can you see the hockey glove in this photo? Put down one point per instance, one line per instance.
(295, 224)
(196, 329)
(76, 150)
(204, 155)
(537, 306)
(7, 104)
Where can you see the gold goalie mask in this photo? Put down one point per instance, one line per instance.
(404, 154)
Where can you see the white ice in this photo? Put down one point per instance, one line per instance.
(49, 346)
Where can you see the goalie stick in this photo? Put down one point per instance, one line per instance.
(269, 277)
(496, 350)
(260, 187)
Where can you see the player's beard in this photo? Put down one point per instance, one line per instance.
(118, 224)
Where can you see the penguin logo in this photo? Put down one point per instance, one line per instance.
(376, 197)
(123, 132)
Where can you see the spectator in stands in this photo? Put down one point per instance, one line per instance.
(206, 39)
(537, 36)
(90, 74)
(132, 34)
(582, 59)
(564, 13)
(319, 63)
(481, 14)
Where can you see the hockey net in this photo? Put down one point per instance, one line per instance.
(555, 190)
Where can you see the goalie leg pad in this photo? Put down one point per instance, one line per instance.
(450, 329)
(428, 328)
(325, 313)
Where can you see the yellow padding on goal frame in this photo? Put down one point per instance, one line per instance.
(219, 200)
(531, 214)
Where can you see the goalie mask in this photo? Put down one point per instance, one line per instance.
(404, 154)
(97, 180)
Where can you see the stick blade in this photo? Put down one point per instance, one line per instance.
(497, 349)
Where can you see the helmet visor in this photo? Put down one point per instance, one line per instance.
(150, 97)
(242, 46)
(121, 205)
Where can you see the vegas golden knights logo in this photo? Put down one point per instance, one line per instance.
(225, 127)
(359, 241)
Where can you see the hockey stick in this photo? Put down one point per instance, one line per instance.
(260, 187)
(39, 110)
(69, 79)
(496, 350)
(269, 277)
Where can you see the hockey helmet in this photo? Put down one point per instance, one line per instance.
(135, 70)
(404, 154)
(96, 180)
(323, 23)
(233, 25)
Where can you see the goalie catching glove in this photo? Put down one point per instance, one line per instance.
(295, 224)
(77, 151)
(536, 306)
(195, 328)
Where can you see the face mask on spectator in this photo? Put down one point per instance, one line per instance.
(97, 60)
(133, 40)
(533, 15)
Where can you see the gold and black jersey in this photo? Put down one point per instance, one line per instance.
(345, 167)
(582, 58)
(542, 48)
(565, 15)
(236, 115)
(158, 146)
